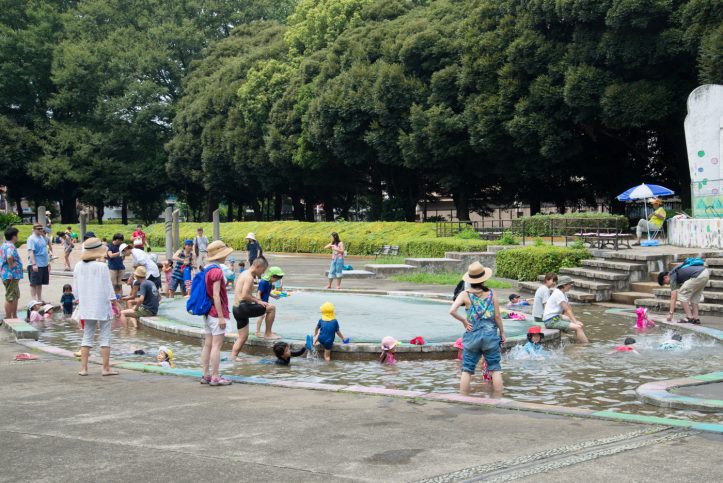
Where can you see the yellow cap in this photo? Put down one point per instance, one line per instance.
(327, 311)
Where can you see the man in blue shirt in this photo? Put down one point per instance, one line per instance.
(38, 261)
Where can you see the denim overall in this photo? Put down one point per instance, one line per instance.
(483, 338)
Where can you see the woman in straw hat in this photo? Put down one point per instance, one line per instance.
(482, 323)
(91, 280)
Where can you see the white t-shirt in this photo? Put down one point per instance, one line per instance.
(553, 306)
(141, 258)
(541, 296)
(94, 290)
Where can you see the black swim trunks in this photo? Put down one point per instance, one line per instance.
(244, 311)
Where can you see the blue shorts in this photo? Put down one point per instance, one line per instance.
(327, 344)
(477, 344)
(336, 268)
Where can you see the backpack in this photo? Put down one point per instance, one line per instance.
(459, 288)
(692, 262)
(199, 303)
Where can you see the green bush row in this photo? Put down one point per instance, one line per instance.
(568, 224)
(528, 262)
(360, 238)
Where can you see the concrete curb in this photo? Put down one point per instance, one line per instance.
(710, 332)
(658, 393)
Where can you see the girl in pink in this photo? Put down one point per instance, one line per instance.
(389, 345)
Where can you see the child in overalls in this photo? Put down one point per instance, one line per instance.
(482, 324)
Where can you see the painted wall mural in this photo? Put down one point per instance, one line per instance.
(704, 137)
(696, 232)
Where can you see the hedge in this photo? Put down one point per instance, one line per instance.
(528, 262)
(360, 238)
(568, 224)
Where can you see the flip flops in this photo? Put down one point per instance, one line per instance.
(26, 357)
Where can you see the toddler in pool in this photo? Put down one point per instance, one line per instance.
(534, 340)
(283, 353)
(164, 357)
(389, 345)
(327, 328)
(33, 314)
(675, 343)
(627, 346)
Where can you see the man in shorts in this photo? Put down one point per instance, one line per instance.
(247, 306)
(686, 284)
(115, 263)
(215, 321)
(11, 272)
(200, 248)
(558, 313)
(38, 261)
(147, 300)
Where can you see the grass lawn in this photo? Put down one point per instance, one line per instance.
(449, 278)
(389, 260)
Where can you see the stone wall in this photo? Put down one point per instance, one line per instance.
(696, 232)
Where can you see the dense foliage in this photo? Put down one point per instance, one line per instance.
(365, 104)
(527, 263)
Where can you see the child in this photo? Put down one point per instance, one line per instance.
(34, 314)
(166, 268)
(626, 347)
(516, 301)
(389, 345)
(165, 357)
(187, 278)
(283, 353)
(67, 300)
(675, 343)
(229, 270)
(47, 311)
(266, 285)
(327, 329)
(534, 339)
(241, 267)
(643, 321)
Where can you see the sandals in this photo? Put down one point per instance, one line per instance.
(695, 321)
(689, 321)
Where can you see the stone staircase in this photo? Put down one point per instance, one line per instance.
(658, 298)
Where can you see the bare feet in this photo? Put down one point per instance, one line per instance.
(258, 334)
(272, 335)
(110, 373)
(83, 373)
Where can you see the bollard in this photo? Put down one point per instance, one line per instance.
(216, 226)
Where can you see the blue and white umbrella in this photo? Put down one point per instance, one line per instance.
(642, 192)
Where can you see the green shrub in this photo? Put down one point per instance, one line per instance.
(8, 219)
(508, 238)
(528, 262)
(567, 224)
(468, 234)
(539, 242)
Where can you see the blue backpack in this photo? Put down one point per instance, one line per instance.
(693, 262)
(199, 303)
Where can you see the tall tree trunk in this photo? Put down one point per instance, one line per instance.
(298, 207)
(278, 203)
(68, 215)
(309, 206)
(124, 211)
(461, 204)
(376, 198)
(211, 206)
(99, 208)
(328, 209)
(19, 208)
(258, 213)
(229, 212)
(535, 205)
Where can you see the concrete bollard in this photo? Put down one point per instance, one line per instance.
(216, 226)
(83, 225)
(176, 230)
(41, 215)
(168, 218)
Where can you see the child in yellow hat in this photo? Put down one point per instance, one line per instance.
(327, 329)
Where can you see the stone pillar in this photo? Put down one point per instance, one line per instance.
(41, 215)
(168, 217)
(216, 226)
(176, 230)
(83, 225)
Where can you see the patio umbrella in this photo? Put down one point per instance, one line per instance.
(642, 192)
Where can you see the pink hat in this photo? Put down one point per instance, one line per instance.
(458, 344)
(389, 342)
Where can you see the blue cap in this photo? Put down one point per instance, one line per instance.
(188, 242)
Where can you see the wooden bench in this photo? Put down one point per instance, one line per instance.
(601, 239)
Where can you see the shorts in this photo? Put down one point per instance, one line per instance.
(68, 309)
(68, 249)
(557, 322)
(692, 289)
(327, 344)
(41, 277)
(336, 269)
(211, 326)
(175, 283)
(142, 311)
(244, 311)
(89, 332)
(12, 289)
(477, 344)
(538, 319)
(116, 278)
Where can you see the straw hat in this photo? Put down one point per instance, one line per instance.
(656, 201)
(327, 311)
(218, 250)
(564, 280)
(140, 272)
(93, 249)
(477, 273)
(251, 236)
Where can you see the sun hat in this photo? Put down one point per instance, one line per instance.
(188, 242)
(46, 308)
(656, 201)
(123, 246)
(251, 236)
(37, 226)
(168, 352)
(273, 272)
(534, 330)
(140, 272)
(458, 344)
(327, 311)
(217, 250)
(389, 342)
(47, 212)
(92, 249)
(138, 242)
(477, 273)
(33, 303)
(564, 280)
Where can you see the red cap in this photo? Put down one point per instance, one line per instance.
(535, 329)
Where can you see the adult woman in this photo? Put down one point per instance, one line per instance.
(183, 257)
(336, 269)
(481, 324)
(91, 280)
(67, 248)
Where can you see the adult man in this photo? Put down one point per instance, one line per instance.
(542, 294)
(215, 321)
(115, 263)
(11, 272)
(654, 222)
(146, 304)
(557, 306)
(248, 306)
(139, 234)
(38, 260)
(200, 248)
(686, 283)
(141, 258)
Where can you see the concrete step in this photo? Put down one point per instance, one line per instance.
(586, 283)
(593, 274)
(614, 266)
(435, 265)
(579, 294)
(20, 329)
(386, 270)
(662, 305)
(354, 274)
(644, 287)
(714, 262)
(709, 297)
(628, 297)
(627, 256)
(488, 259)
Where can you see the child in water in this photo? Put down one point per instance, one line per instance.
(627, 346)
(389, 345)
(67, 300)
(33, 314)
(327, 329)
(516, 301)
(283, 353)
(534, 340)
(164, 357)
(675, 343)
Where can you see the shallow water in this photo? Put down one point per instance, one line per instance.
(570, 375)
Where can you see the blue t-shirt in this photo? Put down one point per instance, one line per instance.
(66, 300)
(115, 263)
(253, 249)
(327, 331)
(531, 348)
(149, 291)
(39, 246)
(264, 290)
